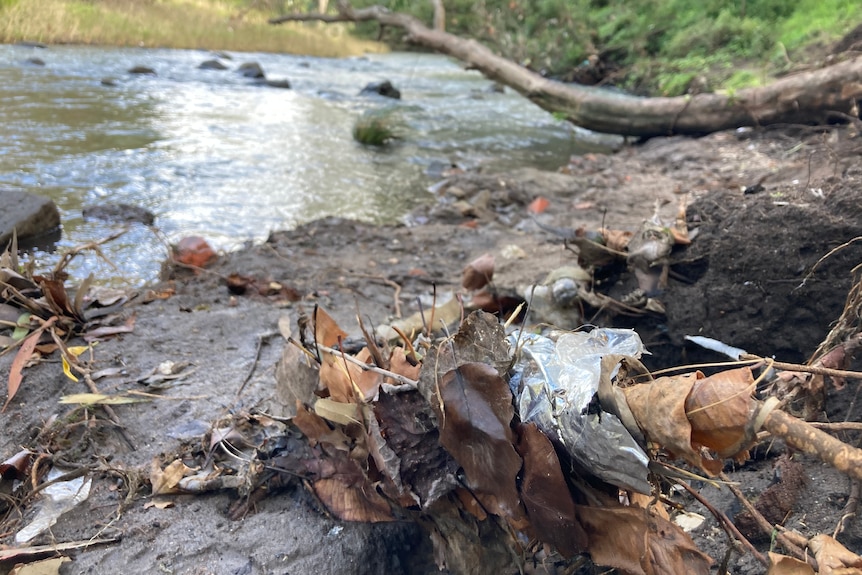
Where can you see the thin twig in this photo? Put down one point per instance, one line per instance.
(768, 527)
(370, 366)
(806, 368)
(254, 362)
(728, 525)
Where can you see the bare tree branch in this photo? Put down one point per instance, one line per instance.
(804, 98)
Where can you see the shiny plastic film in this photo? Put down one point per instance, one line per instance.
(554, 383)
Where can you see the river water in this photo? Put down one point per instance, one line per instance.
(212, 154)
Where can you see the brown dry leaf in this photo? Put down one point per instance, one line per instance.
(719, 408)
(316, 430)
(57, 298)
(401, 365)
(43, 567)
(637, 543)
(16, 375)
(785, 565)
(659, 409)
(357, 502)
(108, 330)
(546, 496)
(384, 457)
(478, 273)
(617, 240)
(194, 251)
(683, 412)
(160, 503)
(426, 469)
(165, 481)
(326, 330)
(17, 467)
(833, 558)
(346, 381)
(475, 429)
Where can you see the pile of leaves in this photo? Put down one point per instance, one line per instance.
(428, 431)
(41, 315)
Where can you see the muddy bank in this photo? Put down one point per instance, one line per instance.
(768, 206)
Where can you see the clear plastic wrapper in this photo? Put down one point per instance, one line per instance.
(554, 383)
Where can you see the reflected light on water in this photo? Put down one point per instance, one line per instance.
(212, 154)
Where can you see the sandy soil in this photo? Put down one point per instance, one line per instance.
(745, 279)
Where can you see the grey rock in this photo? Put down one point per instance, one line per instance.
(212, 65)
(35, 61)
(278, 84)
(223, 55)
(121, 213)
(142, 70)
(384, 88)
(251, 70)
(106, 81)
(31, 215)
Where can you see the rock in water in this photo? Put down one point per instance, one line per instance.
(31, 215)
(212, 65)
(251, 70)
(384, 88)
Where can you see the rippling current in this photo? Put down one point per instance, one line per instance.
(212, 154)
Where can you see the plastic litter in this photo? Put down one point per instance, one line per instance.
(554, 384)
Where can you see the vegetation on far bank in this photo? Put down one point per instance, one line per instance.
(666, 47)
(656, 47)
(239, 25)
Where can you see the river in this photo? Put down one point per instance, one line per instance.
(210, 153)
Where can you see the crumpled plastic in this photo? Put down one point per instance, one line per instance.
(554, 384)
(57, 499)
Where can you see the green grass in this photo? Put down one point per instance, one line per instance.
(653, 47)
(816, 21)
(195, 24)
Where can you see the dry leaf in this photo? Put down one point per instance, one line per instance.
(194, 251)
(16, 375)
(546, 496)
(784, 565)
(833, 558)
(719, 408)
(478, 273)
(165, 481)
(683, 412)
(17, 467)
(43, 567)
(475, 429)
(326, 330)
(539, 205)
(357, 502)
(637, 543)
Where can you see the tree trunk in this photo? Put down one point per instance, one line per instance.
(805, 98)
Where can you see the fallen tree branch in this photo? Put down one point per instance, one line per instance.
(802, 436)
(805, 98)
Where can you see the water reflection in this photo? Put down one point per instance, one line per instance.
(211, 154)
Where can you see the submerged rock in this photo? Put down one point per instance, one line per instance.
(384, 88)
(142, 70)
(212, 65)
(35, 61)
(122, 213)
(251, 70)
(278, 83)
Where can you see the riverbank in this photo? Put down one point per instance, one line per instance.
(212, 25)
(767, 206)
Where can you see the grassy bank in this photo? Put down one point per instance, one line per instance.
(194, 24)
(653, 47)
